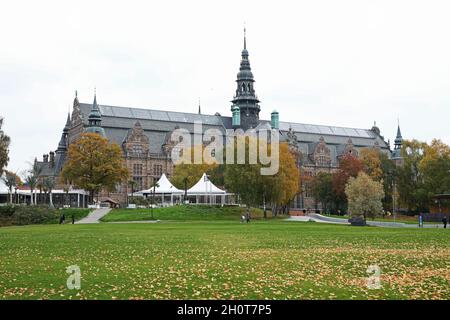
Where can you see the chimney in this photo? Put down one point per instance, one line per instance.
(274, 120)
(45, 158)
(52, 158)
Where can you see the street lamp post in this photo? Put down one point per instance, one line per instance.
(153, 200)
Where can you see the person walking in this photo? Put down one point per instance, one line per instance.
(444, 221)
(73, 218)
(420, 221)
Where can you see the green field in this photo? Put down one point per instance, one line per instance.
(183, 213)
(223, 259)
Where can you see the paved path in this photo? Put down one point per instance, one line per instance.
(324, 219)
(94, 216)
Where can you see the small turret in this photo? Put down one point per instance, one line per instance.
(95, 119)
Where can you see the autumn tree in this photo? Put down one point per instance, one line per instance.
(245, 179)
(281, 188)
(94, 164)
(349, 166)
(322, 189)
(435, 169)
(255, 189)
(370, 158)
(364, 196)
(4, 148)
(409, 179)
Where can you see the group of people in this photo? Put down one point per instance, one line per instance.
(444, 221)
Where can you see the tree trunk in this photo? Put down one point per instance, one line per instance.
(51, 199)
(31, 196)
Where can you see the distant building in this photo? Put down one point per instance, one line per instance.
(144, 135)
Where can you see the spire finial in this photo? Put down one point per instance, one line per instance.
(245, 38)
(199, 109)
(76, 93)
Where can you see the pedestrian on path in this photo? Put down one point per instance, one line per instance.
(73, 218)
(62, 219)
(444, 221)
(420, 221)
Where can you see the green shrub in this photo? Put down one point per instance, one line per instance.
(24, 215)
(7, 211)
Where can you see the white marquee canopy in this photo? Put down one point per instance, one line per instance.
(163, 186)
(204, 186)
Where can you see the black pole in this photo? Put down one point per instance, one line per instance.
(185, 190)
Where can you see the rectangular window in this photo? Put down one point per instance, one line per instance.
(157, 170)
(137, 169)
(139, 185)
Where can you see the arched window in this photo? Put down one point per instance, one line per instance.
(243, 87)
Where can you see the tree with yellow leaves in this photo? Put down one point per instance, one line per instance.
(255, 189)
(370, 157)
(364, 196)
(94, 164)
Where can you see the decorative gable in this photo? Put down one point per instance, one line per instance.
(322, 155)
(136, 143)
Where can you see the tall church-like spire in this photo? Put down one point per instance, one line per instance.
(398, 142)
(245, 97)
(63, 142)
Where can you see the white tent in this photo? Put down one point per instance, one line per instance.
(164, 186)
(204, 186)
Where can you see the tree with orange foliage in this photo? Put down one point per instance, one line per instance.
(94, 164)
(370, 157)
(349, 166)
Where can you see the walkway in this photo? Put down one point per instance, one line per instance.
(324, 219)
(94, 216)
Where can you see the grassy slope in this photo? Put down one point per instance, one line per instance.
(227, 260)
(181, 213)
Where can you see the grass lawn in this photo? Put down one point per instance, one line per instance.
(223, 259)
(183, 213)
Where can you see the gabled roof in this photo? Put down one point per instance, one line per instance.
(205, 186)
(162, 186)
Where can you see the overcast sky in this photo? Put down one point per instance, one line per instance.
(342, 63)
